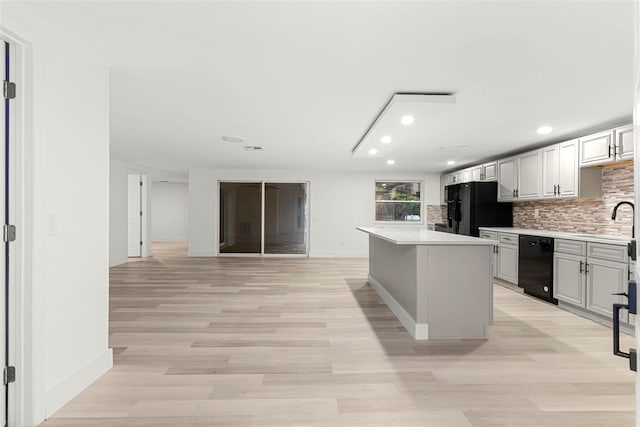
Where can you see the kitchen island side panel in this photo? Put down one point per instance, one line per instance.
(458, 284)
(395, 267)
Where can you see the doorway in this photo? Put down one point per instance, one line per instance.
(136, 216)
(263, 218)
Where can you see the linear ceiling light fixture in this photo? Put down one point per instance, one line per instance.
(407, 108)
(232, 139)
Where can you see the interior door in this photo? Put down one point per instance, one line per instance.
(134, 216)
(4, 255)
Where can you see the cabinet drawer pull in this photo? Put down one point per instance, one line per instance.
(581, 267)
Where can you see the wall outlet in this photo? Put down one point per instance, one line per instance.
(536, 213)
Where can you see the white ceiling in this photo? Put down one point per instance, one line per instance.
(305, 80)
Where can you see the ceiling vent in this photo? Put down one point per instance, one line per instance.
(252, 148)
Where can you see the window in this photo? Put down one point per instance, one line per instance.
(398, 201)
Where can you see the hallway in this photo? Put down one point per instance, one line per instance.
(304, 341)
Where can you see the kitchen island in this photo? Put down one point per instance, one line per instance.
(439, 285)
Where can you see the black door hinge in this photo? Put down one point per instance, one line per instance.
(140, 242)
(140, 183)
(8, 89)
(140, 213)
(9, 233)
(9, 375)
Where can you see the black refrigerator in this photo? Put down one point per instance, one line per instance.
(471, 205)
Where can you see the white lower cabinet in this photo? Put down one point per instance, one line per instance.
(492, 235)
(569, 278)
(604, 278)
(587, 276)
(507, 265)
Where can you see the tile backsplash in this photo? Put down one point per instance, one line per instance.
(584, 215)
(436, 213)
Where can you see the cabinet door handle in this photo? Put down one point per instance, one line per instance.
(558, 189)
(609, 150)
(616, 150)
(581, 267)
(554, 190)
(586, 268)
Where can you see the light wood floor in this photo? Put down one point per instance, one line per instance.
(250, 341)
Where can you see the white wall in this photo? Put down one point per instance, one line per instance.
(170, 207)
(68, 130)
(339, 202)
(117, 213)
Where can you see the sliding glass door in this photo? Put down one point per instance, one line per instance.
(268, 218)
(241, 217)
(284, 218)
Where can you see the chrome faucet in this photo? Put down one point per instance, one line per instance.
(615, 211)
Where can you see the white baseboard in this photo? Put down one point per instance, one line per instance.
(338, 254)
(419, 331)
(60, 394)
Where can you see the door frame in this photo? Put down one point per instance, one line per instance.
(26, 330)
(263, 182)
(145, 248)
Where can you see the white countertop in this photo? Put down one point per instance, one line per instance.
(421, 236)
(584, 237)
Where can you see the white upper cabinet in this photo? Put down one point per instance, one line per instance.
(550, 162)
(560, 172)
(465, 175)
(624, 142)
(569, 171)
(528, 171)
(490, 171)
(476, 173)
(507, 179)
(612, 146)
(597, 149)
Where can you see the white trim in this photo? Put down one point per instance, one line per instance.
(26, 329)
(419, 331)
(61, 393)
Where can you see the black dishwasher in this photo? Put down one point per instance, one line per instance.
(535, 267)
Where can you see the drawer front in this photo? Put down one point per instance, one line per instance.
(492, 235)
(572, 247)
(508, 238)
(607, 252)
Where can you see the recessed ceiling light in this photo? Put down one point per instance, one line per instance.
(252, 148)
(385, 139)
(543, 130)
(406, 120)
(234, 139)
(451, 162)
(373, 151)
(391, 162)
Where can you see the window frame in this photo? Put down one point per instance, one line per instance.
(399, 222)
